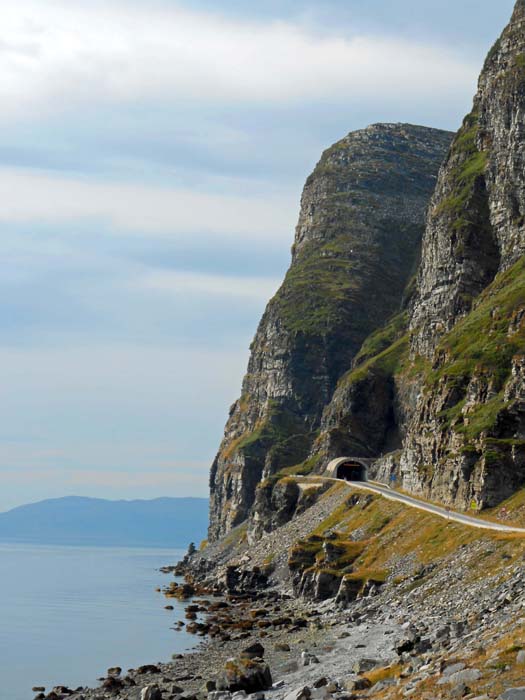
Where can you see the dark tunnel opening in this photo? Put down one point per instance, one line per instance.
(351, 471)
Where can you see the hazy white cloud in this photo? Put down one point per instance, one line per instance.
(85, 418)
(58, 53)
(178, 475)
(190, 283)
(41, 197)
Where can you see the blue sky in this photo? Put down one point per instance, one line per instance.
(152, 155)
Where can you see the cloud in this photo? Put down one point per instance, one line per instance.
(83, 415)
(189, 283)
(179, 475)
(58, 53)
(40, 197)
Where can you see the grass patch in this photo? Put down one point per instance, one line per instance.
(383, 674)
(383, 338)
(470, 166)
(386, 363)
(480, 345)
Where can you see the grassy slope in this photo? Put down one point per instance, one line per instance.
(392, 530)
(481, 345)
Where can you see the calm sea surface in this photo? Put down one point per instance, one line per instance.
(69, 613)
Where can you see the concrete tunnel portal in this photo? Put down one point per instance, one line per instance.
(348, 469)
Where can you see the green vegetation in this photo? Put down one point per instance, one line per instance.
(386, 363)
(281, 434)
(383, 338)
(388, 531)
(480, 345)
(520, 61)
(303, 469)
(470, 164)
(311, 554)
(320, 285)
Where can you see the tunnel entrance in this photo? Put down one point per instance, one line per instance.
(351, 471)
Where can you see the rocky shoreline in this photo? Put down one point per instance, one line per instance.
(431, 638)
(292, 640)
(446, 619)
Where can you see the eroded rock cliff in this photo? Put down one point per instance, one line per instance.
(446, 397)
(356, 245)
(465, 444)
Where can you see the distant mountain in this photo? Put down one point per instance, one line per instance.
(162, 522)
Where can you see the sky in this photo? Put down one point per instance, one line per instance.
(152, 156)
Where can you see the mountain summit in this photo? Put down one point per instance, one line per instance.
(356, 246)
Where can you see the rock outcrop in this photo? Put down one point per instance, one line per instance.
(465, 444)
(476, 226)
(356, 245)
(437, 394)
(440, 391)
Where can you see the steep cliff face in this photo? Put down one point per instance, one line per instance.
(477, 217)
(356, 245)
(465, 443)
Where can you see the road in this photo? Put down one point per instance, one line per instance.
(449, 515)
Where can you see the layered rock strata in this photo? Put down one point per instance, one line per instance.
(356, 245)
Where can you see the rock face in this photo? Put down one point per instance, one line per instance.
(465, 444)
(438, 395)
(477, 215)
(356, 245)
(365, 417)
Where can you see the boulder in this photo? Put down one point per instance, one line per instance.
(406, 642)
(113, 684)
(308, 659)
(357, 684)
(303, 693)
(513, 694)
(453, 668)
(219, 695)
(254, 651)
(151, 692)
(466, 676)
(364, 665)
(245, 674)
(148, 668)
(114, 671)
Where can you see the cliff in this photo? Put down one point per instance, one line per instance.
(356, 246)
(445, 390)
(466, 442)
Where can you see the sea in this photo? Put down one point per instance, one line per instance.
(67, 614)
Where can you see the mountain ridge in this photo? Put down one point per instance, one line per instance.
(79, 520)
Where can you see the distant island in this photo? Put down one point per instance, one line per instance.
(74, 520)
